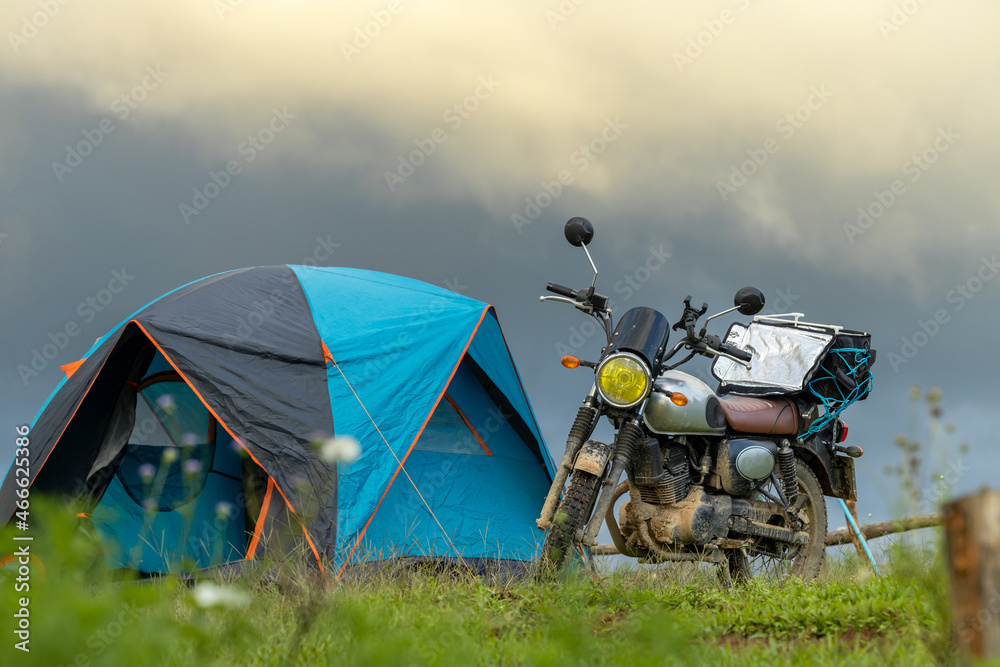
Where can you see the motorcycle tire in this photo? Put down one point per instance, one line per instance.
(805, 561)
(570, 516)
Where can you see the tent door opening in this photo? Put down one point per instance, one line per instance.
(175, 502)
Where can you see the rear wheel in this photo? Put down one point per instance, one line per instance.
(570, 516)
(771, 559)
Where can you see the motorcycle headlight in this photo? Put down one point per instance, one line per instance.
(623, 380)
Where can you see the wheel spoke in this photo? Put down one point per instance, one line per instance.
(775, 560)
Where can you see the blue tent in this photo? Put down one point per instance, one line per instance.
(255, 365)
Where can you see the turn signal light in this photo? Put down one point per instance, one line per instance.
(677, 398)
(843, 432)
(569, 361)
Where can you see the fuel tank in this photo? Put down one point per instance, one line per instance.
(696, 411)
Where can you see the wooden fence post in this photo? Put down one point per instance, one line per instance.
(972, 528)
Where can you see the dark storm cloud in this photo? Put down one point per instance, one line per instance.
(611, 129)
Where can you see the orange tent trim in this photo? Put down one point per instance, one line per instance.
(361, 534)
(305, 531)
(70, 368)
(479, 438)
(264, 507)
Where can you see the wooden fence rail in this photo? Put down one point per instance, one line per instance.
(972, 532)
(842, 536)
(883, 528)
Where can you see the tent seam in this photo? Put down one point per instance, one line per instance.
(402, 461)
(237, 439)
(68, 421)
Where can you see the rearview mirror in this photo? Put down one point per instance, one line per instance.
(749, 301)
(579, 231)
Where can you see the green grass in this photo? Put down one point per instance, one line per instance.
(674, 615)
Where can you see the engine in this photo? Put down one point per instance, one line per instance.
(662, 475)
(663, 495)
(742, 464)
(668, 509)
(698, 518)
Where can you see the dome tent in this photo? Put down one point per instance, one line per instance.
(239, 371)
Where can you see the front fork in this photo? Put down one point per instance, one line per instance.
(629, 437)
(583, 426)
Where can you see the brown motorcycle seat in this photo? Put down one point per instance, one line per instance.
(765, 416)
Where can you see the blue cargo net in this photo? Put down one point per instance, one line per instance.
(830, 390)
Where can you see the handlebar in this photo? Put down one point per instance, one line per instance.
(707, 345)
(560, 290)
(596, 304)
(735, 352)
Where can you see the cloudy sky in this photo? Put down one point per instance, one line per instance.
(839, 155)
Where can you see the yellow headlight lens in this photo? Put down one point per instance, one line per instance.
(623, 381)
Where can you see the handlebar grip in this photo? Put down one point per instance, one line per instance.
(735, 352)
(560, 290)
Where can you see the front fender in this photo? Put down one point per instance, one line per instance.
(593, 457)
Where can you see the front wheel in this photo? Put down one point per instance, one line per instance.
(775, 560)
(570, 516)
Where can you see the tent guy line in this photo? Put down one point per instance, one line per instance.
(401, 467)
(175, 430)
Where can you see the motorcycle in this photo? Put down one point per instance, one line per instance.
(735, 477)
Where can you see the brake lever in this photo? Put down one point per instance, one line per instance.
(709, 352)
(585, 307)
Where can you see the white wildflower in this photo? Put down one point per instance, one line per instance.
(342, 449)
(207, 595)
(223, 509)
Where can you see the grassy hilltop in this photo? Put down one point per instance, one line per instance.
(646, 616)
(672, 615)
